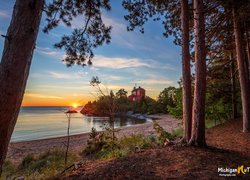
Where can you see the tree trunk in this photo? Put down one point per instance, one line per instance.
(248, 50)
(67, 145)
(244, 84)
(15, 64)
(198, 126)
(186, 72)
(233, 87)
(244, 44)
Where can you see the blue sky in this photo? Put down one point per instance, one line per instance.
(149, 60)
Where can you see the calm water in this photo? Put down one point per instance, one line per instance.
(45, 122)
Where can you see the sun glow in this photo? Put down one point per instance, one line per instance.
(74, 105)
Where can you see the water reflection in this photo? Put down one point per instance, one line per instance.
(45, 122)
(119, 121)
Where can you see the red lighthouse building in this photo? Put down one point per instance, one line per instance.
(137, 94)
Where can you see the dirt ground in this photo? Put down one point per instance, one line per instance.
(227, 147)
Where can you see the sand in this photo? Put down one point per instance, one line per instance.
(18, 150)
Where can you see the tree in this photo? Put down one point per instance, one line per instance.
(243, 69)
(141, 11)
(20, 43)
(198, 125)
(121, 93)
(186, 72)
(166, 99)
(15, 64)
(109, 105)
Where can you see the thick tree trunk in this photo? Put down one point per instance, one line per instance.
(198, 126)
(186, 72)
(15, 65)
(233, 87)
(244, 84)
(248, 51)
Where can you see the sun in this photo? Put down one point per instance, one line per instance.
(74, 105)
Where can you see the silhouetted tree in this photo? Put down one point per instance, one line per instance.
(121, 93)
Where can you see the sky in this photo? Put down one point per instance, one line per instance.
(148, 60)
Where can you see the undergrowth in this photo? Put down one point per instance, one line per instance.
(46, 165)
(101, 145)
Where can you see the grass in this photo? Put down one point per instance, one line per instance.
(178, 132)
(125, 146)
(103, 147)
(42, 167)
(8, 169)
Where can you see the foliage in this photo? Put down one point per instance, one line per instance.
(108, 148)
(80, 44)
(8, 169)
(162, 135)
(121, 93)
(95, 142)
(44, 166)
(177, 133)
(169, 99)
(176, 110)
(139, 12)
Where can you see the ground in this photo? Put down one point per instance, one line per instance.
(227, 147)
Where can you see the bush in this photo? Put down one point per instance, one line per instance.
(111, 148)
(95, 142)
(177, 133)
(135, 142)
(8, 169)
(27, 160)
(42, 167)
(162, 135)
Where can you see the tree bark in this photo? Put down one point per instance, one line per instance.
(244, 84)
(198, 118)
(244, 51)
(15, 64)
(233, 87)
(248, 51)
(186, 72)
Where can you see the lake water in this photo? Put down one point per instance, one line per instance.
(46, 122)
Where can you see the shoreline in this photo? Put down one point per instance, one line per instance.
(18, 150)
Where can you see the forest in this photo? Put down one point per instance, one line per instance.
(214, 37)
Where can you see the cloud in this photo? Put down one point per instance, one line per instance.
(115, 78)
(42, 96)
(65, 87)
(155, 81)
(118, 62)
(101, 61)
(71, 76)
(122, 62)
(52, 53)
(4, 14)
(119, 32)
(116, 87)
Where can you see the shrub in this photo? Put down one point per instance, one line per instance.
(178, 133)
(27, 160)
(162, 135)
(95, 142)
(41, 167)
(8, 169)
(111, 148)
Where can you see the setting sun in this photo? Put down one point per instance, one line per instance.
(74, 105)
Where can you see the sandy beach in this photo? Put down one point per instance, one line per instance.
(18, 150)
